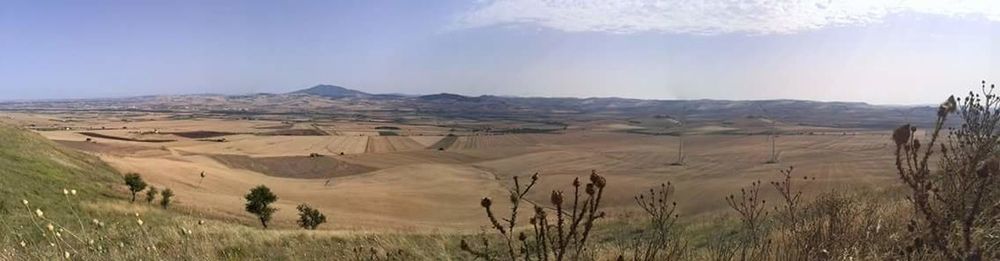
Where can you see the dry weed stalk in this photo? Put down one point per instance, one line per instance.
(566, 238)
(752, 214)
(956, 203)
(791, 197)
(658, 241)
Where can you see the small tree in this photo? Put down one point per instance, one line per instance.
(151, 194)
(310, 218)
(165, 197)
(135, 183)
(258, 203)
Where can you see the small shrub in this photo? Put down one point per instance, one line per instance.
(310, 218)
(151, 194)
(135, 183)
(165, 197)
(258, 203)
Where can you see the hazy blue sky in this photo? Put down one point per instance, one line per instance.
(899, 52)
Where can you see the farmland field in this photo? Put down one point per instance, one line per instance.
(406, 183)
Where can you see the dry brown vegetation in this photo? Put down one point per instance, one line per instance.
(839, 203)
(950, 211)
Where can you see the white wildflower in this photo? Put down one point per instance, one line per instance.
(24, 244)
(50, 227)
(139, 221)
(24, 201)
(65, 192)
(39, 213)
(72, 191)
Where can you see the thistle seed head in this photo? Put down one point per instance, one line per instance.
(557, 197)
(947, 107)
(901, 135)
(597, 179)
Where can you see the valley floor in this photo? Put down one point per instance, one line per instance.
(366, 182)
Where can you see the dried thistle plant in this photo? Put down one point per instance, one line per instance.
(659, 240)
(563, 238)
(955, 203)
(752, 213)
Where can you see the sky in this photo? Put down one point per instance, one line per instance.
(882, 52)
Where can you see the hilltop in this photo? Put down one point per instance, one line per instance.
(337, 100)
(332, 91)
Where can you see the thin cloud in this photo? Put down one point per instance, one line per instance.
(707, 17)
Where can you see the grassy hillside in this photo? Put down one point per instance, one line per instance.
(97, 222)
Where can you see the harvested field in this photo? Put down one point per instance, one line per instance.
(388, 133)
(403, 183)
(380, 144)
(201, 134)
(113, 148)
(295, 132)
(426, 141)
(444, 143)
(294, 167)
(274, 127)
(492, 141)
(98, 135)
(271, 146)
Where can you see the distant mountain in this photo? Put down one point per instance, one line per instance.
(448, 97)
(332, 91)
(336, 99)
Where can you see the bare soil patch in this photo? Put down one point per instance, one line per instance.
(302, 167)
(444, 143)
(202, 134)
(98, 135)
(296, 132)
(105, 148)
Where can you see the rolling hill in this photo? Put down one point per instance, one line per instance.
(330, 99)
